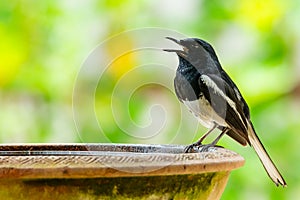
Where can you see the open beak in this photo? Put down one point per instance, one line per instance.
(183, 52)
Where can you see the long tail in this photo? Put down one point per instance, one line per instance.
(264, 157)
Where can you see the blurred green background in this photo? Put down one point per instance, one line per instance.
(43, 45)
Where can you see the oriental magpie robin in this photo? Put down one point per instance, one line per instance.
(210, 94)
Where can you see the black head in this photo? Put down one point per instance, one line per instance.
(194, 50)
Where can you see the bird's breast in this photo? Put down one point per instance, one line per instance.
(187, 85)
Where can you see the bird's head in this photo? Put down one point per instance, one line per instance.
(193, 49)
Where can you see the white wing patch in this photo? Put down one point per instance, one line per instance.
(237, 94)
(211, 84)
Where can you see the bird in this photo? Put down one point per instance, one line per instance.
(203, 86)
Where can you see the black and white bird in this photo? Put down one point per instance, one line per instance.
(210, 94)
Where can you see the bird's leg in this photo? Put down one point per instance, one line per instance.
(206, 147)
(199, 142)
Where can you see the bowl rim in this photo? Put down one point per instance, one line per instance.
(96, 160)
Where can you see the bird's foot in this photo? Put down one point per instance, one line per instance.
(190, 148)
(200, 147)
(208, 147)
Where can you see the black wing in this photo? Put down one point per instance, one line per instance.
(228, 103)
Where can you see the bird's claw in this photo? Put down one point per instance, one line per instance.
(200, 147)
(190, 148)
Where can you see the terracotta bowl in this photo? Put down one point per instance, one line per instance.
(113, 171)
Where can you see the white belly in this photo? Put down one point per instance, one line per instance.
(205, 113)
